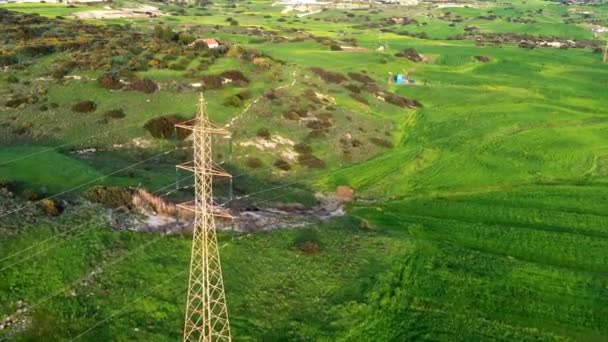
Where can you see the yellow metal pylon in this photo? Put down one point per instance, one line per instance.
(206, 311)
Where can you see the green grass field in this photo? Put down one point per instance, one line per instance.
(483, 219)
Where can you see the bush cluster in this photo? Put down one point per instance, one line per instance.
(84, 107)
(145, 85)
(329, 76)
(114, 114)
(163, 127)
(111, 196)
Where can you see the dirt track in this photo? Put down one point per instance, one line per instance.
(139, 12)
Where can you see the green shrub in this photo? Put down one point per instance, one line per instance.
(112, 196)
(328, 76)
(263, 133)
(211, 82)
(84, 107)
(145, 85)
(360, 77)
(382, 142)
(109, 81)
(237, 77)
(282, 165)
(310, 161)
(303, 148)
(16, 101)
(163, 127)
(8, 185)
(233, 101)
(244, 95)
(31, 194)
(307, 241)
(114, 114)
(254, 162)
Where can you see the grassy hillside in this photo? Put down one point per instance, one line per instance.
(525, 264)
(480, 207)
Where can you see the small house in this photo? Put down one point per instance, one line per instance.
(211, 42)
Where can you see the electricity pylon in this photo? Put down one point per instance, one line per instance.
(206, 311)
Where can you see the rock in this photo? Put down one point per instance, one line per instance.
(482, 58)
(344, 193)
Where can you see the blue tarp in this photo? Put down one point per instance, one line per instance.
(399, 79)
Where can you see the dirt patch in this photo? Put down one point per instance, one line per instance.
(139, 12)
(345, 193)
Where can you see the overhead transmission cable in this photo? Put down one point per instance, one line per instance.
(71, 230)
(64, 145)
(145, 294)
(87, 183)
(102, 268)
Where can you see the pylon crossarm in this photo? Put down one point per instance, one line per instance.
(216, 211)
(197, 128)
(215, 172)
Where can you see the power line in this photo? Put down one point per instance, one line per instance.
(116, 261)
(121, 310)
(63, 145)
(104, 267)
(130, 210)
(72, 237)
(128, 305)
(87, 183)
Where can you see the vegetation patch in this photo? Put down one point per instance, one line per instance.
(381, 142)
(254, 162)
(110, 81)
(282, 164)
(311, 161)
(236, 77)
(163, 127)
(84, 107)
(482, 58)
(359, 77)
(111, 196)
(263, 133)
(51, 207)
(329, 76)
(401, 101)
(145, 85)
(114, 114)
(411, 54)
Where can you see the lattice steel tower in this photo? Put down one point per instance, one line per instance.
(206, 311)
